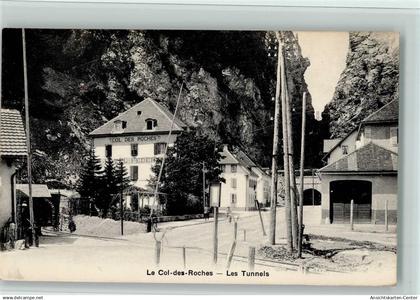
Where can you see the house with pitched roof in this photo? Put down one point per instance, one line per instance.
(363, 167)
(12, 148)
(137, 137)
(245, 181)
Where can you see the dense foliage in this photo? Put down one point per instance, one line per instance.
(182, 178)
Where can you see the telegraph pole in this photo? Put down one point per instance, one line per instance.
(293, 194)
(302, 162)
(274, 175)
(204, 186)
(283, 84)
(28, 137)
(122, 210)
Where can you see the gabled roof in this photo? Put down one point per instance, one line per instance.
(369, 158)
(244, 159)
(65, 193)
(136, 117)
(239, 157)
(386, 114)
(339, 142)
(12, 133)
(227, 157)
(38, 190)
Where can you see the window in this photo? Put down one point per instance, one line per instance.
(394, 136)
(233, 183)
(139, 112)
(134, 149)
(252, 183)
(223, 168)
(124, 124)
(233, 168)
(134, 173)
(151, 123)
(368, 133)
(108, 151)
(118, 125)
(232, 198)
(345, 149)
(160, 148)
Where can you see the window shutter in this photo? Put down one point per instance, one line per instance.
(394, 136)
(134, 173)
(108, 150)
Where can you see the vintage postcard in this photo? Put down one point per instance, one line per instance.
(234, 157)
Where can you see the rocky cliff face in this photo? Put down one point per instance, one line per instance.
(80, 79)
(369, 81)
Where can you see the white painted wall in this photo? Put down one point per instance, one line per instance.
(5, 192)
(241, 188)
(121, 149)
(337, 153)
(384, 136)
(245, 194)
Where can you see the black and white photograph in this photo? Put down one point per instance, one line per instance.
(191, 156)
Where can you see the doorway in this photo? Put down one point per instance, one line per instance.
(341, 194)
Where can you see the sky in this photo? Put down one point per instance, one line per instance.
(327, 52)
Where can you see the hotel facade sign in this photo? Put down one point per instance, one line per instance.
(141, 139)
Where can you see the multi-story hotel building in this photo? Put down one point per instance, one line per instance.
(138, 137)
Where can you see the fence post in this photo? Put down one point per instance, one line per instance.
(386, 214)
(251, 258)
(351, 214)
(157, 252)
(230, 256)
(184, 257)
(215, 235)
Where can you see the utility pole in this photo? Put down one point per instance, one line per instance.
(293, 194)
(283, 84)
(28, 137)
(204, 186)
(274, 175)
(302, 162)
(166, 151)
(313, 187)
(121, 210)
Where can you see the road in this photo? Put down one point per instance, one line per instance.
(131, 258)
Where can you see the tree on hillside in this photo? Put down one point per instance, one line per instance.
(182, 180)
(89, 184)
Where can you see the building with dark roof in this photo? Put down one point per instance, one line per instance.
(245, 182)
(138, 137)
(363, 167)
(12, 148)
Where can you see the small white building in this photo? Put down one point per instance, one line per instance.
(363, 167)
(245, 181)
(137, 137)
(12, 148)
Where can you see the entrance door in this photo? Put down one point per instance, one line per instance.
(342, 192)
